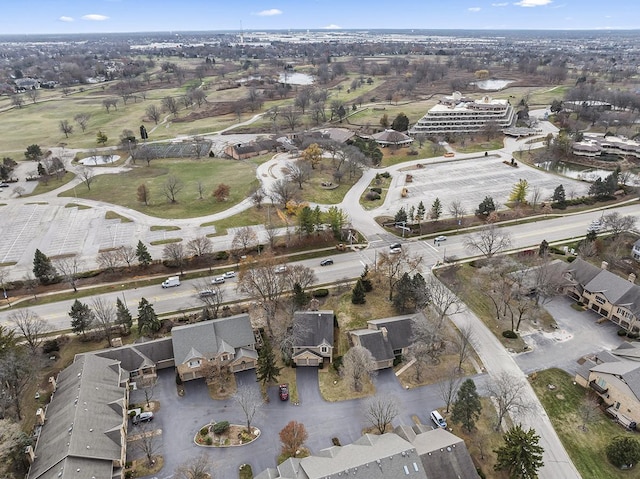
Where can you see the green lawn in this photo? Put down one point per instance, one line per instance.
(121, 189)
(586, 449)
(382, 183)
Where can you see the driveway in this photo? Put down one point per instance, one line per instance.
(578, 334)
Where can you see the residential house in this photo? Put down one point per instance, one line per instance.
(405, 453)
(228, 341)
(398, 329)
(313, 338)
(84, 427)
(605, 293)
(458, 114)
(635, 250)
(142, 360)
(615, 377)
(378, 344)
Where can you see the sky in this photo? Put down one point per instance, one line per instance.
(102, 16)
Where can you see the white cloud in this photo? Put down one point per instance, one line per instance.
(503, 4)
(65, 19)
(333, 26)
(533, 3)
(94, 17)
(474, 9)
(269, 13)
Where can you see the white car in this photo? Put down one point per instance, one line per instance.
(229, 274)
(217, 280)
(206, 292)
(440, 238)
(143, 417)
(280, 269)
(595, 226)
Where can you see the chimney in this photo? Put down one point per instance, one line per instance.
(384, 333)
(632, 278)
(31, 456)
(40, 416)
(604, 265)
(52, 381)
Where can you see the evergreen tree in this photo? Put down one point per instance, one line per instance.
(436, 209)
(357, 295)
(300, 298)
(123, 316)
(419, 292)
(81, 317)
(43, 269)
(622, 451)
(401, 215)
(366, 282)
(148, 322)
(559, 197)
(142, 253)
(420, 212)
(486, 207)
(267, 370)
(521, 454)
(403, 295)
(466, 409)
(543, 250)
(400, 122)
(305, 220)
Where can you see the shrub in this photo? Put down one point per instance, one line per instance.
(372, 196)
(178, 379)
(204, 431)
(386, 174)
(335, 441)
(50, 346)
(320, 293)
(132, 414)
(377, 190)
(209, 440)
(220, 427)
(555, 250)
(222, 255)
(337, 363)
(633, 335)
(480, 473)
(622, 332)
(510, 334)
(571, 259)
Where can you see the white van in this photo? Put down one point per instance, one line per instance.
(437, 418)
(171, 281)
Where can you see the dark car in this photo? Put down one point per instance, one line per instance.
(326, 262)
(283, 392)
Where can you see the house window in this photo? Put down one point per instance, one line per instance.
(600, 300)
(602, 383)
(225, 357)
(324, 349)
(194, 364)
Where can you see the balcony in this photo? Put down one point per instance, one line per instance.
(597, 388)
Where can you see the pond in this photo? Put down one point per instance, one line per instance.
(492, 84)
(295, 78)
(99, 160)
(573, 170)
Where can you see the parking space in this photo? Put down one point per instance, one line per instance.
(19, 225)
(114, 234)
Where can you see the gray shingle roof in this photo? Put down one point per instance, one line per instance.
(399, 330)
(582, 271)
(313, 328)
(137, 356)
(374, 341)
(210, 338)
(84, 421)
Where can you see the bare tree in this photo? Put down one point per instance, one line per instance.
(463, 342)
(393, 266)
(175, 254)
(109, 260)
(260, 281)
(199, 246)
(291, 117)
(589, 411)
(426, 339)
(298, 172)
(104, 314)
(282, 191)
(448, 385)
(250, 401)
(457, 211)
(301, 275)
(148, 443)
(17, 369)
(200, 467)
(66, 127)
(33, 95)
(82, 119)
(211, 296)
(87, 176)
(217, 374)
(69, 269)
(147, 384)
(380, 411)
(170, 104)
(358, 364)
(489, 241)
(257, 197)
(244, 239)
(507, 391)
(143, 194)
(616, 223)
(443, 301)
(535, 196)
(548, 280)
(127, 254)
(31, 327)
(172, 187)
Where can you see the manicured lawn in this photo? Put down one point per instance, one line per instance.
(121, 189)
(382, 183)
(52, 184)
(586, 448)
(253, 216)
(479, 145)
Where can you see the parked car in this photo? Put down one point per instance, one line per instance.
(280, 269)
(595, 225)
(143, 417)
(437, 418)
(229, 274)
(171, 281)
(283, 392)
(206, 292)
(326, 262)
(4, 185)
(440, 238)
(217, 280)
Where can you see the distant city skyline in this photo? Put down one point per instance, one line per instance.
(117, 16)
